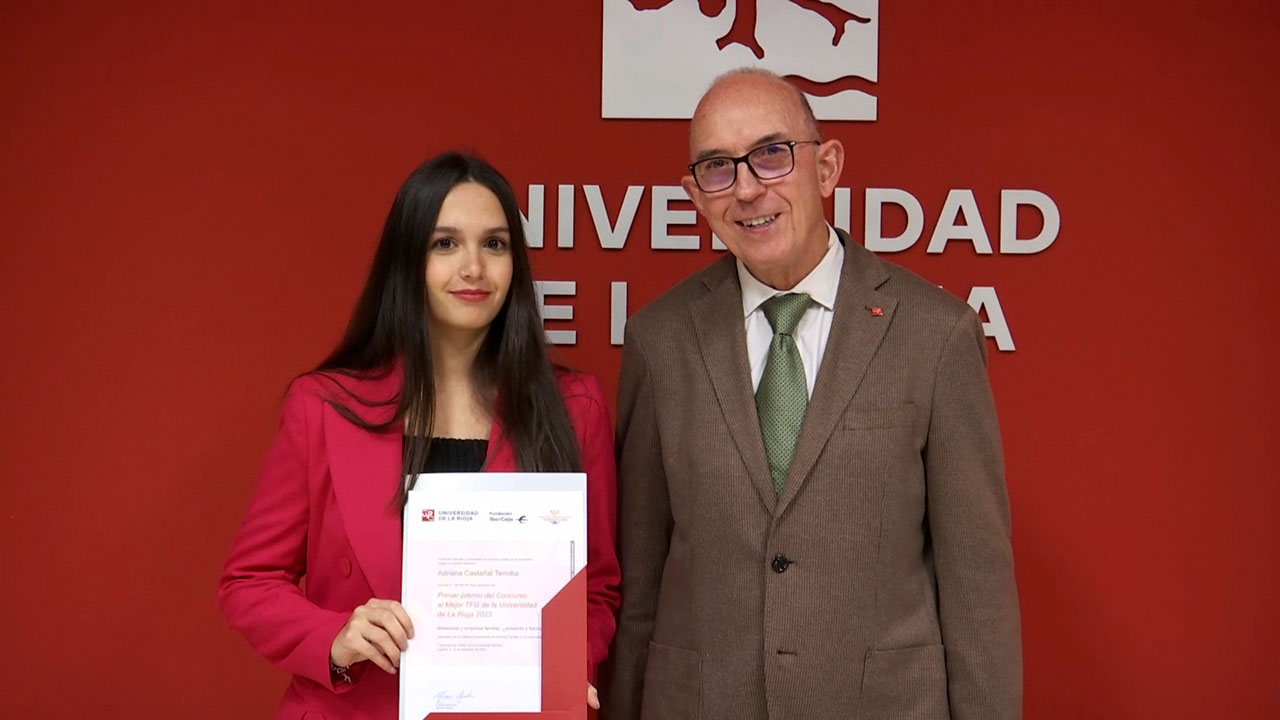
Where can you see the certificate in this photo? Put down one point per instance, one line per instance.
(484, 553)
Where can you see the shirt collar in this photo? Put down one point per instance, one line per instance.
(821, 283)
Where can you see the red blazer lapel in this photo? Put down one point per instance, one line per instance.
(365, 469)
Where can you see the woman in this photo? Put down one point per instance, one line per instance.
(442, 369)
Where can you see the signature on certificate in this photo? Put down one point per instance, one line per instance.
(449, 701)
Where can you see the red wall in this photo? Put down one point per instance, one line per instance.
(190, 198)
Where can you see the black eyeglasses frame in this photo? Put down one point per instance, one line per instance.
(791, 146)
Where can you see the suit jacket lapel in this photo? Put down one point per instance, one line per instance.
(723, 344)
(365, 468)
(860, 319)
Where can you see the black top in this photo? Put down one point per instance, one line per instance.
(456, 455)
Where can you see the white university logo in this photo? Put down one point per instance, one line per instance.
(660, 55)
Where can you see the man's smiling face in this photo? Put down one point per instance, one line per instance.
(775, 227)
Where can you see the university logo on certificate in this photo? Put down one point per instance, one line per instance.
(485, 554)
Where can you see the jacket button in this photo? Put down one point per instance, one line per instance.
(344, 566)
(780, 563)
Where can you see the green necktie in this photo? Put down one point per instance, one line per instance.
(783, 394)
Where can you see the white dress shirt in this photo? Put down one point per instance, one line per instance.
(815, 325)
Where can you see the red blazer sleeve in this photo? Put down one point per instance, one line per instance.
(590, 416)
(258, 592)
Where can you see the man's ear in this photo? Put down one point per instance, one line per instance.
(695, 195)
(830, 158)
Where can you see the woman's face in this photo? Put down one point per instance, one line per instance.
(468, 261)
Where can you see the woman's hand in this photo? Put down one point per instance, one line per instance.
(378, 630)
(593, 698)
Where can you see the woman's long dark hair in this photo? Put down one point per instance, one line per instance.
(511, 372)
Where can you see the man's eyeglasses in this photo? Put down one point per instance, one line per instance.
(767, 162)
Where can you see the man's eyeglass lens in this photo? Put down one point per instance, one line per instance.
(768, 162)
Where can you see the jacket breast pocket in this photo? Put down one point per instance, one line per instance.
(870, 418)
(672, 684)
(905, 683)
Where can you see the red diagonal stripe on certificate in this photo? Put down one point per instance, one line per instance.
(564, 660)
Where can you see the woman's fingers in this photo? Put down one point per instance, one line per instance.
(377, 631)
(593, 698)
(389, 621)
(366, 650)
(385, 644)
(397, 610)
(402, 615)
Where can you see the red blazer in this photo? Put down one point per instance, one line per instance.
(323, 509)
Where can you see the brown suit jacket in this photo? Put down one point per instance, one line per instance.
(879, 584)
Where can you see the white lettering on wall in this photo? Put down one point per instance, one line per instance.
(842, 203)
(982, 298)
(958, 219)
(877, 198)
(617, 312)
(556, 288)
(1010, 243)
(663, 217)
(533, 222)
(564, 217)
(948, 227)
(613, 237)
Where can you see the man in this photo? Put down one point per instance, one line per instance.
(813, 520)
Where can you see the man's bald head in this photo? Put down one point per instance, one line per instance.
(747, 80)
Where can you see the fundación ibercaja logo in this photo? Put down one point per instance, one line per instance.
(660, 55)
